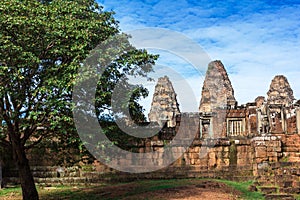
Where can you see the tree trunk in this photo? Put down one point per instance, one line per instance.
(29, 191)
(1, 180)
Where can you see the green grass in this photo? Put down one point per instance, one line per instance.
(154, 185)
(9, 191)
(136, 188)
(243, 188)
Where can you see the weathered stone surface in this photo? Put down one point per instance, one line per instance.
(267, 144)
(164, 107)
(279, 197)
(280, 92)
(268, 189)
(290, 190)
(259, 101)
(252, 188)
(260, 152)
(217, 91)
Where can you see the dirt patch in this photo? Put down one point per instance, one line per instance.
(198, 190)
(191, 189)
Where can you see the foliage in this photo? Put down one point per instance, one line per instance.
(42, 46)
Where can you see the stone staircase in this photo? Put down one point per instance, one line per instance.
(279, 180)
(53, 176)
(89, 175)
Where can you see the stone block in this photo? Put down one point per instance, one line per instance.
(141, 150)
(272, 154)
(197, 162)
(195, 156)
(287, 184)
(203, 162)
(160, 161)
(260, 160)
(226, 162)
(274, 143)
(290, 190)
(268, 189)
(197, 149)
(273, 159)
(260, 152)
(159, 149)
(191, 150)
(226, 149)
(212, 155)
(260, 143)
(291, 149)
(179, 162)
(212, 159)
(159, 143)
(225, 154)
(242, 149)
(192, 161)
(279, 197)
(294, 159)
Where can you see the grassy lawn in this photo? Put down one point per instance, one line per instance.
(130, 190)
(10, 192)
(243, 188)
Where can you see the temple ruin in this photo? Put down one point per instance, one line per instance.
(257, 141)
(164, 107)
(220, 116)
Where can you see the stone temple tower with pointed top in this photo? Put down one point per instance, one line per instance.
(164, 107)
(280, 91)
(219, 114)
(217, 90)
(280, 105)
(216, 98)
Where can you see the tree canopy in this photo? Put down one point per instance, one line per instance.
(42, 46)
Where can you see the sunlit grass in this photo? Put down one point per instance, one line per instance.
(10, 191)
(138, 187)
(243, 188)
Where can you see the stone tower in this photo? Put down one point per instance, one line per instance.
(217, 91)
(164, 107)
(259, 101)
(217, 97)
(280, 92)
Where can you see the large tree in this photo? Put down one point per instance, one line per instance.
(42, 45)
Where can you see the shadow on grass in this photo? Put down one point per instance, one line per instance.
(148, 189)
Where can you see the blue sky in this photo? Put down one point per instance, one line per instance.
(255, 40)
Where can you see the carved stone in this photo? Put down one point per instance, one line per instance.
(280, 91)
(217, 91)
(164, 107)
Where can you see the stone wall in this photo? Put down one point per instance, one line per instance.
(290, 147)
(266, 149)
(229, 158)
(230, 141)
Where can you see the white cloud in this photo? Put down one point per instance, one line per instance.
(254, 49)
(255, 40)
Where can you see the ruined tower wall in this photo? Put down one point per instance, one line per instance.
(228, 158)
(164, 106)
(230, 141)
